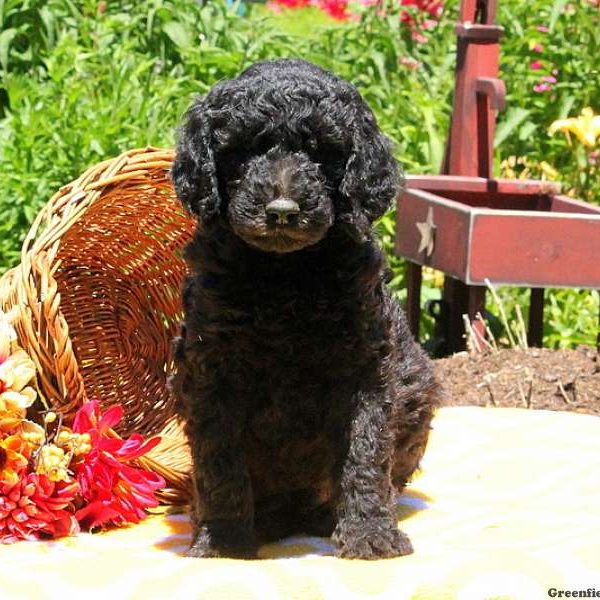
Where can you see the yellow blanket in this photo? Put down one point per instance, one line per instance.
(507, 506)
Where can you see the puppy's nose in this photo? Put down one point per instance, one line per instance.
(283, 209)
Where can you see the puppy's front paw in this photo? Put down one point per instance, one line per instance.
(202, 550)
(222, 542)
(370, 539)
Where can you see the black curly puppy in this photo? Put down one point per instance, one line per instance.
(307, 401)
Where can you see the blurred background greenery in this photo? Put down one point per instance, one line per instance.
(83, 81)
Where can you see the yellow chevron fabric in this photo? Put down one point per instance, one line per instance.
(507, 506)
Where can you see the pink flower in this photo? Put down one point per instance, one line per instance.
(542, 87)
(274, 6)
(429, 24)
(433, 8)
(536, 65)
(113, 489)
(34, 508)
(537, 48)
(543, 29)
(409, 63)
(419, 37)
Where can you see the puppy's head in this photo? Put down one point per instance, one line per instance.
(282, 154)
(280, 201)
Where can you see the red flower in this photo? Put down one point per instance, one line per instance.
(338, 9)
(113, 490)
(33, 508)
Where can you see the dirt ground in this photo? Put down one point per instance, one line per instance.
(533, 378)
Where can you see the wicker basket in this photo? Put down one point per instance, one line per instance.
(97, 299)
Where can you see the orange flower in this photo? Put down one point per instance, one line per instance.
(13, 459)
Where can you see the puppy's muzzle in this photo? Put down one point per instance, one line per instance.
(284, 211)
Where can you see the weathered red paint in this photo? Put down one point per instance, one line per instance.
(535, 250)
(516, 235)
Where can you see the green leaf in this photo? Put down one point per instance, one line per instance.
(30, 212)
(434, 141)
(527, 130)
(6, 37)
(178, 33)
(565, 107)
(379, 60)
(557, 9)
(514, 117)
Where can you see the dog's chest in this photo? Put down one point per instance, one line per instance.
(303, 327)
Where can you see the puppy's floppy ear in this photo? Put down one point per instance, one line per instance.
(194, 172)
(372, 178)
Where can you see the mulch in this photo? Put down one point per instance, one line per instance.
(534, 378)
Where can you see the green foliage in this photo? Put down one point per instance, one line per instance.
(82, 81)
(570, 316)
(568, 51)
(104, 83)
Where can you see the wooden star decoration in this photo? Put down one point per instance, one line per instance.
(427, 230)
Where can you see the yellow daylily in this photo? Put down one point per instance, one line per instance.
(586, 127)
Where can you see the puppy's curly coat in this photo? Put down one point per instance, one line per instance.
(307, 402)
